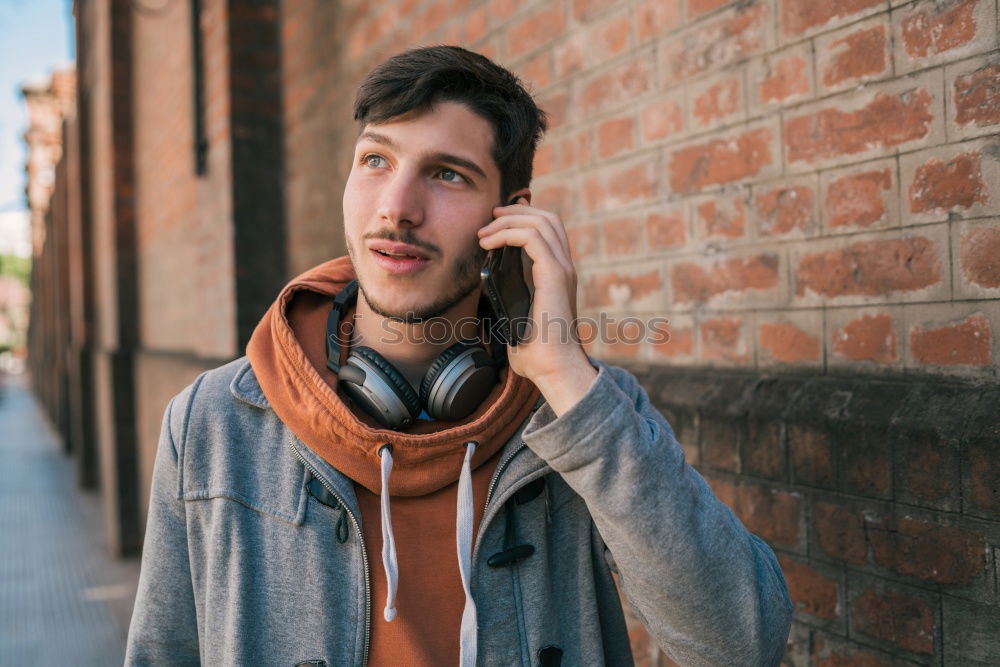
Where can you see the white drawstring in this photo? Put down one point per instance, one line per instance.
(388, 540)
(463, 539)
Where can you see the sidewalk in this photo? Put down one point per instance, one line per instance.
(63, 599)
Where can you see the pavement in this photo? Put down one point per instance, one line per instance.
(64, 600)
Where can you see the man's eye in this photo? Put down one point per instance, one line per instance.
(451, 176)
(373, 161)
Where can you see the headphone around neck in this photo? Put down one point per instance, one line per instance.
(455, 384)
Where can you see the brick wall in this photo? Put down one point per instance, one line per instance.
(185, 221)
(809, 191)
(879, 495)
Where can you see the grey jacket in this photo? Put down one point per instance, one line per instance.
(254, 554)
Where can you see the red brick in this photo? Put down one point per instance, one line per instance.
(615, 136)
(597, 289)
(812, 456)
(609, 38)
(533, 31)
(984, 476)
(574, 150)
(655, 17)
(929, 551)
(863, 53)
(622, 236)
(840, 533)
(568, 57)
(720, 444)
(895, 617)
(787, 78)
(587, 8)
(724, 490)
(719, 101)
(788, 343)
(556, 198)
(556, 105)
(611, 188)
(622, 84)
(695, 283)
(722, 340)
(537, 71)
(723, 218)
(666, 230)
(942, 187)
(680, 343)
(543, 161)
(857, 199)
(966, 343)
(977, 97)
(716, 43)
(939, 28)
(622, 338)
(980, 256)
(502, 9)
(887, 121)
(811, 592)
(476, 24)
(773, 515)
(785, 209)
(871, 268)
(764, 454)
(432, 17)
(844, 656)
(698, 7)
(720, 161)
(582, 241)
(797, 16)
(927, 468)
(869, 338)
(662, 119)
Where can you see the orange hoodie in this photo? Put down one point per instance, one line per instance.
(288, 353)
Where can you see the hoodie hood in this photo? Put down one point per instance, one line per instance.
(288, 354)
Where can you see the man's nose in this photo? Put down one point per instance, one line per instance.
(401, 201)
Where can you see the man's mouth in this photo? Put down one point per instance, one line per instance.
(397, 255)
(395, 250)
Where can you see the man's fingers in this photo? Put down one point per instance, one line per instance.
(559, 248)
(543, 232)
(525, 209)
(539, 249)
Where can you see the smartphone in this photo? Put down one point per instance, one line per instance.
(506, 281)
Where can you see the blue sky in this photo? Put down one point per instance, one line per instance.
(35, 38)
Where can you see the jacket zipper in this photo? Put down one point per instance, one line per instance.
(493, 485)
(496, 473)
(357, 526)
(364, 550)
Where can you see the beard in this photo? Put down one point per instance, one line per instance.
(463, 281)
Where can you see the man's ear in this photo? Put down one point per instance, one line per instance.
(517, 194)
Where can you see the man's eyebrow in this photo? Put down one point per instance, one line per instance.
(447, 158)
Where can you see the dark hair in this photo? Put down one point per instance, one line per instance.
(417, 79)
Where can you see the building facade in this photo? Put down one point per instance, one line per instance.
(808, 191)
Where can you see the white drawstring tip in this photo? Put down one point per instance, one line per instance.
(388, 540)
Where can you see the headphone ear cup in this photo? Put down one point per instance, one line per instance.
(457, 382)
(371, 396)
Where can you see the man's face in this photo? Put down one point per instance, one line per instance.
(420, 187)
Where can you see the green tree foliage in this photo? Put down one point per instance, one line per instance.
(18, 267)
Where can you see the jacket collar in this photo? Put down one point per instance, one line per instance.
(246, 388)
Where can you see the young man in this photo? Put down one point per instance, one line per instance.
(309, 506)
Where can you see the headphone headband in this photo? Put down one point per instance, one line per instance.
(344, 300)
